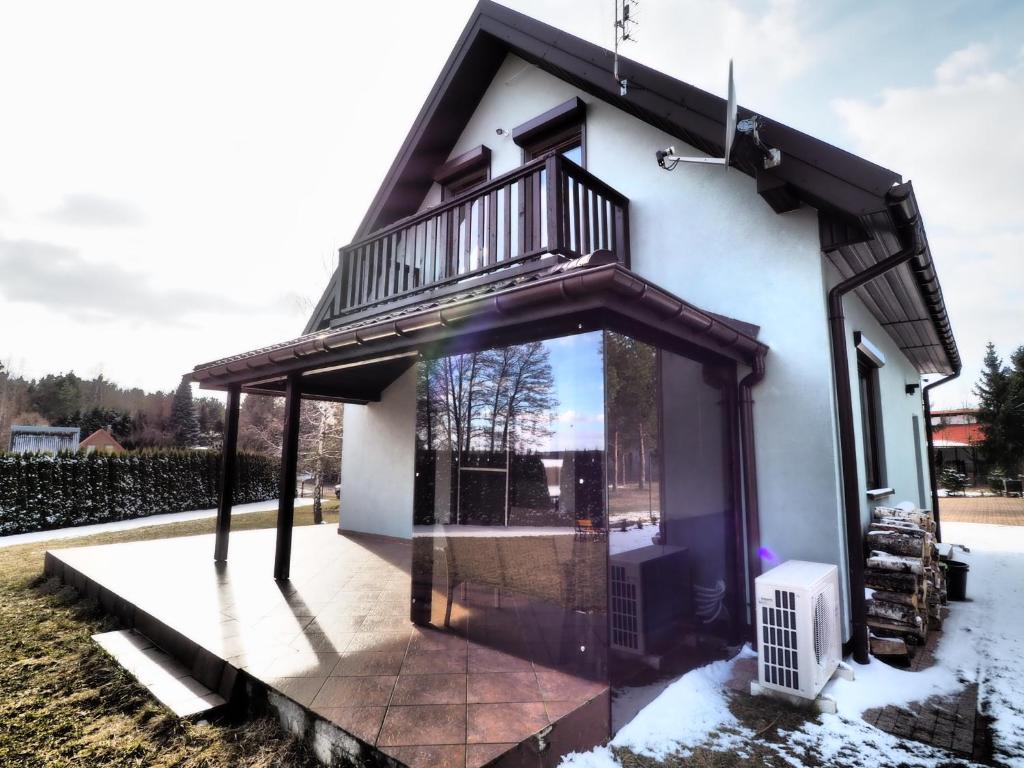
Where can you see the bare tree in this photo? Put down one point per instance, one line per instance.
(320, 436)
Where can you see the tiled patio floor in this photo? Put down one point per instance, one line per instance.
(337, 639)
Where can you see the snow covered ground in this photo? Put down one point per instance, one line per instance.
(138, 522)
(983, 642)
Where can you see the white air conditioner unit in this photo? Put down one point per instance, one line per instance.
(798, 627)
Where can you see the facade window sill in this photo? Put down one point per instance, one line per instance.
(881, 493)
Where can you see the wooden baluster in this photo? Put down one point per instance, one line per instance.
(553, 172)
(521, 190)
(535, 205)
(378, 270)
(492, 228)
(577, 218)
(466, 232)
(365, 273)
(622, 229)
(446, 244)
(432, 225)
(386, 273)
(585, 221)
(414, 247)
(507, 227)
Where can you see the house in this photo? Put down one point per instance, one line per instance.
(44, 439)
(957, 438)
(725, 363)
(101, 441)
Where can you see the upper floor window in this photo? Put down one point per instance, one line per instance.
(561, 129)
(464, 172)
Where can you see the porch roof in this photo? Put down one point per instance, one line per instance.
(356, 361)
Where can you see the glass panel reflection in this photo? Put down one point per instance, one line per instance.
(510, 536)
(672, 538)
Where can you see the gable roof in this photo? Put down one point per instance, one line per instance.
(101, 438)
(854, 197)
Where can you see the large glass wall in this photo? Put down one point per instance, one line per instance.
(673, 531)
(575, 518)
(509, 501)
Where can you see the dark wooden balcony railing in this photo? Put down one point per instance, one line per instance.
(549, 205)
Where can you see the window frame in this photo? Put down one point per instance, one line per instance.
(873, 444)
(464, 172)
(560, 129)
(560, 141)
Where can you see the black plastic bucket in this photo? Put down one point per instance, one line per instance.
(956, 580)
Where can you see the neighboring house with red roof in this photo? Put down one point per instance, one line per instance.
(101, 441)
(957, 438)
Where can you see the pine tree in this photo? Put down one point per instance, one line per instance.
(183, 424)
(1000, 392)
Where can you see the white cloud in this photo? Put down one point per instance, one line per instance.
(90, 210)
(958, 139)
(964, 63)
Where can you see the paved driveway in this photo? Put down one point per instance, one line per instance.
(995, 510)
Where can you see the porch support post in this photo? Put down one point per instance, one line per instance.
(289, 466)
(227, 474)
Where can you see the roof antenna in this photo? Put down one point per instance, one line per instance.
(668, 159)
(625, 21)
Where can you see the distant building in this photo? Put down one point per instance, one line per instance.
(101, 441)
(957, 438)
(44, 439)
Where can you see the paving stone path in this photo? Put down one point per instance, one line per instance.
(947, 722)
(996, 510)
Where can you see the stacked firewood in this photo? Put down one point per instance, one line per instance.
(905, 586)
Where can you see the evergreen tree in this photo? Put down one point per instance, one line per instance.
(184, 425)
(1000, 392)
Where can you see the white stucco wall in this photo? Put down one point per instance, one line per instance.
(905, 461)
(704, 234)
(378, 462)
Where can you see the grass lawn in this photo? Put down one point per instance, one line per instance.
(64, 702)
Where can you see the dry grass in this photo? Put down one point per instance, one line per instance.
(64, 702)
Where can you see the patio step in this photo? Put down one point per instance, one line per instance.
(170, 682)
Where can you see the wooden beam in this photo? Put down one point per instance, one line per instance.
(289, 466)
(776, 192)
(227, 474)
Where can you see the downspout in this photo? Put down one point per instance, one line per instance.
(931, 447)
(906, 217)
(749, 459)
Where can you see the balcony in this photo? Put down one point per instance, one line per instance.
(493, 231)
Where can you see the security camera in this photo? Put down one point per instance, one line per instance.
(661, 154)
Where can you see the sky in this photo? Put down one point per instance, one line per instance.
(176, 178)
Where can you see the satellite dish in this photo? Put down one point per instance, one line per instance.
(730, 117)
(668, 159)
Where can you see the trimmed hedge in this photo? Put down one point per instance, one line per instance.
(43, 491)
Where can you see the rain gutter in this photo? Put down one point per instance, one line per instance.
(905, 215)
(925, 396)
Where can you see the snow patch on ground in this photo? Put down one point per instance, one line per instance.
(692, 711)
(631, 538)
(988, 646)
(983, 642)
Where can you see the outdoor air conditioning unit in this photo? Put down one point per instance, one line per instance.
(798, 627)
(650, 595)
